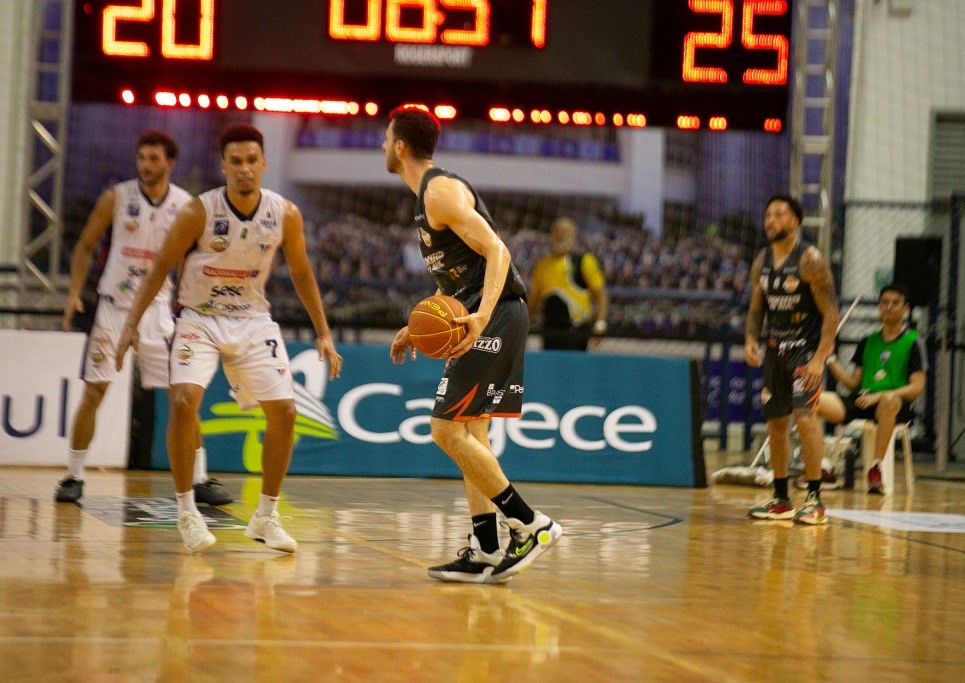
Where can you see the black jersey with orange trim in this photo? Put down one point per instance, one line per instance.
(459, 271)
(793, 318)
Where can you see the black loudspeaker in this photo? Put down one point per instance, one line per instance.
(918, 266)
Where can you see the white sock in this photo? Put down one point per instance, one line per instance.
(186, 502)
(75, 466)
(266, 505)
(200, 466)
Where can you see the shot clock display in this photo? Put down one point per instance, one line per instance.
(662, 61)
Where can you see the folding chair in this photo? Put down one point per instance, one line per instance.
(869, 439)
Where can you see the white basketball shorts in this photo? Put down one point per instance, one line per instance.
(251, 350)
(155, 329)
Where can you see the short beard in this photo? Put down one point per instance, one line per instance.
(245, 193)
(779, 235)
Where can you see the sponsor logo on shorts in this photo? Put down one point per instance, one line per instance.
(515, 388)
(492, 391)
(184, 354)
(488, 344)
(443, 386)
(281, 369)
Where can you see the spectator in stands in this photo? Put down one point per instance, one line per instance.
(569, 289)
(888, 374)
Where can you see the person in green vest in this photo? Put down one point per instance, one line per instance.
(888, 374)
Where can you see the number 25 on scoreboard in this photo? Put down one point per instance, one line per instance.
(723, 39)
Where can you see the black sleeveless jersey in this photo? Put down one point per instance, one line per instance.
(793, 319)
(459, 271)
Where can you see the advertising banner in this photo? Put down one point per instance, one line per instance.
(736, 391)
(586, 418)
(40, 388)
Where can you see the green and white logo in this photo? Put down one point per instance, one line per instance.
(313, 419)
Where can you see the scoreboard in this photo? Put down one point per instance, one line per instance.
(684, 63)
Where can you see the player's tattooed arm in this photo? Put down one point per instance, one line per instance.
(755, 313)
(817, 273)
(754, 323)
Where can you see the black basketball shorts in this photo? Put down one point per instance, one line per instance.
(487, 381)
(783, 391)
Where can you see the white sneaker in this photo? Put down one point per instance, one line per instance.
(526, 543)
(194, 532)
(268, 530)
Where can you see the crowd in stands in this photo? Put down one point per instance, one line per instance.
(371, 272)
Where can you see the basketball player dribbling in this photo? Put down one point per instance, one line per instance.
(484, 375)
(228, 238)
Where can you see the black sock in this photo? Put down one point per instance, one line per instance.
(814, 486)
(780, 487)
(513, 506)
(485, 528)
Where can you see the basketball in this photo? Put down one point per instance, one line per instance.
(431, 328)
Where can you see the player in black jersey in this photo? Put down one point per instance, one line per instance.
(793, 288)
(484, 375)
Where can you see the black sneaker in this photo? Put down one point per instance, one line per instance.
(472, 565)
(526, 543)
(211, 492)
(69, 490)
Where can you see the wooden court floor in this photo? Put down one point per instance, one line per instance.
(646, 584)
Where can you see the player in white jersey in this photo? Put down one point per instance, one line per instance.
(228, 238)
(138, 214)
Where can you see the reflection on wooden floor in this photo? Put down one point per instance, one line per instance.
(646, 584)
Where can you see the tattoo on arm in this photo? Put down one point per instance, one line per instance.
(816, 272)
(754, 323)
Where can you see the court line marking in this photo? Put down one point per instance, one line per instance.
(671, 518)
(509, 597)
